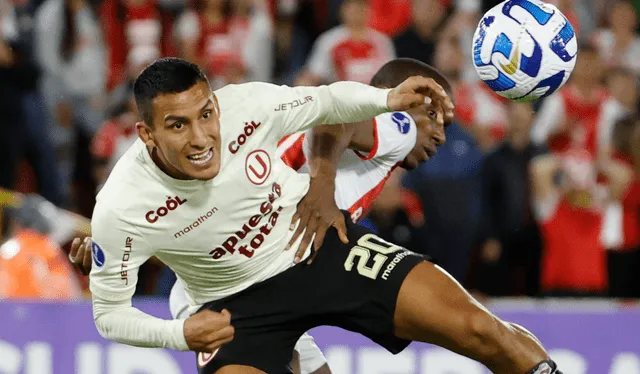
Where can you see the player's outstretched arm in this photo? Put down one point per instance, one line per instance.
(299, 108)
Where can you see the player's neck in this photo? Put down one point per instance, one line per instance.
(164, 166)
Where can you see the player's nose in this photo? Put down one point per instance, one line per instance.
(198, 138)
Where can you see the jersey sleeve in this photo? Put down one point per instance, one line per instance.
(395, 136)
(118, 251)
(294, 109)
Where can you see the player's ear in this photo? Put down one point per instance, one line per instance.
(144, 132)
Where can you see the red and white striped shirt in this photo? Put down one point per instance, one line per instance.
(360, 177)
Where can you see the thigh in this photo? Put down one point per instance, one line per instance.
(310, 357)
(433, 308)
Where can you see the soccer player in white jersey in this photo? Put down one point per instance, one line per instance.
(207, 163)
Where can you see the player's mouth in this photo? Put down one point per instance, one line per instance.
(200, 159)
(431, 151)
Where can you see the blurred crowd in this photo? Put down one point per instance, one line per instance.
(535, 200)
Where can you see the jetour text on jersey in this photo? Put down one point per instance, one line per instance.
(266, 208)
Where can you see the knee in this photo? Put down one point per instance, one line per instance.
(486, 333)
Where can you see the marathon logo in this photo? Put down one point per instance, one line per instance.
(196, 223)
(267, 214)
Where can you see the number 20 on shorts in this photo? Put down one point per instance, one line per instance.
(361, 253)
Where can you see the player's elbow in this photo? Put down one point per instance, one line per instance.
(104, 329)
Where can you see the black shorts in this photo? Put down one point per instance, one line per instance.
(353, 286)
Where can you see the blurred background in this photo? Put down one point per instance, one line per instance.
(533, 208)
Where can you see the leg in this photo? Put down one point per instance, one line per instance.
(432, 307)
(324, 369)
(310, 357)
(295, 363)
(237, 369)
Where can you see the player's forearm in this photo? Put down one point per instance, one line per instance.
(120, 322)
(354, 102)
(328, 143)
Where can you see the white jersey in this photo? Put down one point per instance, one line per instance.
(222, 235)
(360, 177)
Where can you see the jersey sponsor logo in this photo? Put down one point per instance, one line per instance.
(267, 212)
(293, 104)
(153, 216)
(124, 273)
(205, 357)
(258, 166)
(248, 130)
(402, 121)
(209, 213)
(97, 254)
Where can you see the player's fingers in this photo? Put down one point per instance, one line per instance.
(312, 227)
(86, 258)
(215, 345)
(299, 230)
(435, 88)
(221, 335)
(321, 232)
(341, 226)
(75, 245)
(412, 100)
(294, 219)
(226, 314)
(300, 208)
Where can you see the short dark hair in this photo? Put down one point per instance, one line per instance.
(164, 76)
(397, 71)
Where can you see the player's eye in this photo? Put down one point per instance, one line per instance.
(432, 114)
(177, 125)
(206, 115)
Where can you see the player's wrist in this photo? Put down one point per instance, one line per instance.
(178, 335)
(383, 98)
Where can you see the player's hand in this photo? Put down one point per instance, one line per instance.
(80, 254)
(317, 212)
(416, 91)
(207, 330)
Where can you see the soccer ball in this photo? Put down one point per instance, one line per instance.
(524, 50)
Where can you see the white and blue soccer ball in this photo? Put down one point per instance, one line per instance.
(524, 50)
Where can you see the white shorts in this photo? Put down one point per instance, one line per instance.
(311, 357)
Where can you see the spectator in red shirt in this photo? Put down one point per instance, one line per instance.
(624, 254)
(135, 31)
(570, 207)
(570, 117)
(351, 51)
